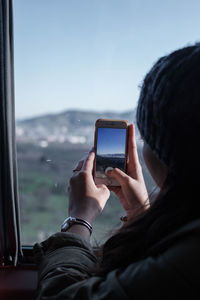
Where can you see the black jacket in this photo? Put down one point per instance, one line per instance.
(174, 273)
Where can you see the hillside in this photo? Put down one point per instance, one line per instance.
(71, 126)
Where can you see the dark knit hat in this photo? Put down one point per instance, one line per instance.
(168, 113)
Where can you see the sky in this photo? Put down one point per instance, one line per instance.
(93, 54)
(111, 141)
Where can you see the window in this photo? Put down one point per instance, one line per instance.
(77, 61)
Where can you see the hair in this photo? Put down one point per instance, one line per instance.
(173, 85)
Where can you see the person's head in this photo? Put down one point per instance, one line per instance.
(156, 167)
(168, 118)
(168, 115)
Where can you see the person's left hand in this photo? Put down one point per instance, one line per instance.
(132, 191)
(86, 199)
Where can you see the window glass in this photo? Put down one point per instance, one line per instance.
(77, 61)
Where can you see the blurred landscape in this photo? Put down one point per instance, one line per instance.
(48, 148)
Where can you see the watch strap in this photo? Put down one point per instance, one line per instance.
(73, 220)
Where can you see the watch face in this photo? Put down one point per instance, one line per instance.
(67, 224)
(64, 227)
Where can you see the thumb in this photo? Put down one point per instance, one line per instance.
(119, 175)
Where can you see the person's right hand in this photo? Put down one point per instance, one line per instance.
(132, 192)
(86, 199)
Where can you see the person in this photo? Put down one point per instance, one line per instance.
(155, 254)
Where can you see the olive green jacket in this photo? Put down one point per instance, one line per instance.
(66, 261)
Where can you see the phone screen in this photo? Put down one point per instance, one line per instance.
(110, 151)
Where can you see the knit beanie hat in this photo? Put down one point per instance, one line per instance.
(168, 112)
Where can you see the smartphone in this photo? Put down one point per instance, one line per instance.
(110, 144)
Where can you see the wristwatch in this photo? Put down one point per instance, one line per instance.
(73, 220)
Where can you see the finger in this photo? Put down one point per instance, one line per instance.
(132, 148)
(88, 162)
(86, 154)
(119, 175)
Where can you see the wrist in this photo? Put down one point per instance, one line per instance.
(74, 220)
(87, 216)
(80, 230)
(136, 212)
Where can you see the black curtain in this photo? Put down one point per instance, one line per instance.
(10, 249)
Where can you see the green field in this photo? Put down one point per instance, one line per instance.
(43, 179)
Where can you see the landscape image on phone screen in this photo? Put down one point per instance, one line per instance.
(111, 145)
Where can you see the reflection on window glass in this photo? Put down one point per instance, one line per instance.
(75, 62)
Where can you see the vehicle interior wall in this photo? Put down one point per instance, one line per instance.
(18, 283)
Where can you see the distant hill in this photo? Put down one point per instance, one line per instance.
(112, 155)
(71, 126)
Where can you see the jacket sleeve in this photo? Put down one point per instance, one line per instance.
(65, 273)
